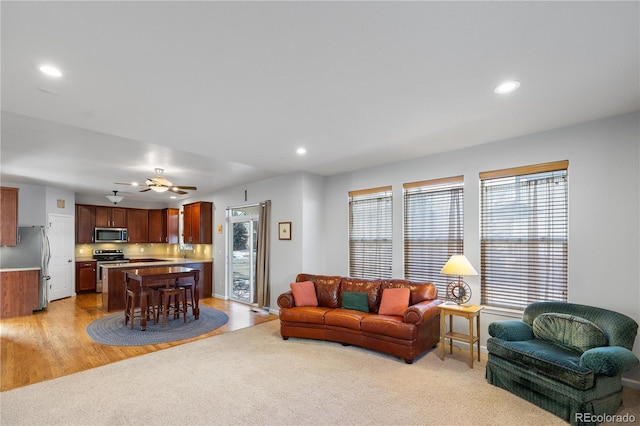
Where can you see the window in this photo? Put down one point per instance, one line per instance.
(523, 234)
(433, 228)
(370, 233)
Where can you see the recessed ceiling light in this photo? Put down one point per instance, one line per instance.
(134, 183)
(50, 70)
(301, 151)
(173, 196)
(507, 87)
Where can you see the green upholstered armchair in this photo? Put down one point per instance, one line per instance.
(564, 357)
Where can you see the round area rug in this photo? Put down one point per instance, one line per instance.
(110, 330)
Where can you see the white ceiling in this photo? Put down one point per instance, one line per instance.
(222, 93)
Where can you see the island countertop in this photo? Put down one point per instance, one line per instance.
(159, 261)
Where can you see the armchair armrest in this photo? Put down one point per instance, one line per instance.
(609, 360)
(285, 300)
(421, 311)
(511, 330)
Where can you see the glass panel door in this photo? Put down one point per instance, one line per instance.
(243, 245)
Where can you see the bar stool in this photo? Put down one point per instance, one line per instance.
(130, 310)
(190, 301)
(179, 295)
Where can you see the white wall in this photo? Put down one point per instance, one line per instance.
(35, 202)
(285, 193)
(313, 229)
(31, 204)
(604, 206)
(59, 201)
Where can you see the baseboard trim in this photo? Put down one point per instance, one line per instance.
(630, 383)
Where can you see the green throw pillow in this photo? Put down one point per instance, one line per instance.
(355, 300)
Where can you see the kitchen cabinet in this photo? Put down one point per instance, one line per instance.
(111, 217)
(197, 223)
(19, 292)
(86, 276)
(85, 223)
(164, 226)
(138, 225)
(8, 216)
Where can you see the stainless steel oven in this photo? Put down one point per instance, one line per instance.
(106, 257)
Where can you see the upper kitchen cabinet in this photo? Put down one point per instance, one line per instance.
(138, 225)
(8, 216)
(111, 217)
(164, 226)
(85, 223)
(197, 223)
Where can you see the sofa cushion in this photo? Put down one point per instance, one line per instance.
(304, 293)
(545, 358)
(361, 285)
(394, 301)
(420, 291)
(346, 318)
(327, 288)
(304, 314)
(568, 330)
(389, 325)
(355, 300)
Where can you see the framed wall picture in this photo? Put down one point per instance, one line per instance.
(284, 230)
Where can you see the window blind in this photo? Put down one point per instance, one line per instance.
(370, 233)
(524, 235)
(433, 228)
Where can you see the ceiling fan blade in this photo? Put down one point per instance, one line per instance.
(122, 183)
(177, 191)
(190, 188)
(145, 190)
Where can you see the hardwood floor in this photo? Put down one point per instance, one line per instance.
(53, 342)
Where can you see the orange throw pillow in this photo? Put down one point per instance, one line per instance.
(394, 301)
(304, 293)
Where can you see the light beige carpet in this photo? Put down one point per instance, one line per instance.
(252, 376)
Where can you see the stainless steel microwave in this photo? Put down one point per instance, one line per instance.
(110, 235)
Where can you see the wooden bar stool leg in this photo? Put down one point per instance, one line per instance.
(130, 306)
(184, 304)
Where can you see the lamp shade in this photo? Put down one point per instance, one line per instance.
(115, 198)
(458, 265)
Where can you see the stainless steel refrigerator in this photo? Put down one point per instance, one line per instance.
(32, 250)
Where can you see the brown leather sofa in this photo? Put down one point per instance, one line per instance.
(406, 336)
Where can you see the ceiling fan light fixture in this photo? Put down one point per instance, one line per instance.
(115, 198)
(159, 188)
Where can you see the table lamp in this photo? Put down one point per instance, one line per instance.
(458, 291)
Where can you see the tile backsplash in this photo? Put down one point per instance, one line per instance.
(190, 251)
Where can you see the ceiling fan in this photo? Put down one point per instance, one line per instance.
(161, 184)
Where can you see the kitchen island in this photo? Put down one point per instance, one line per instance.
(113, 278)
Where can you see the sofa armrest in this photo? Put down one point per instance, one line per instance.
(422, 311)
(511, 330)
(609, 360)
(285, 300)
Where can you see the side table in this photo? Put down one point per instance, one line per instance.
(468, 312)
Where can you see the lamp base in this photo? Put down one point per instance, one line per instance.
(458, 291)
